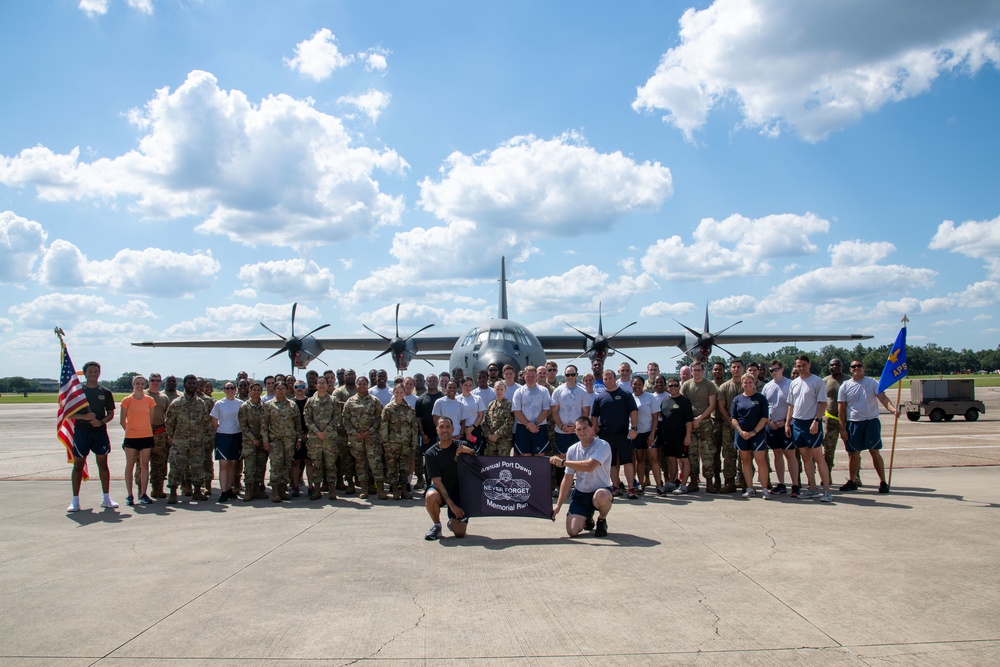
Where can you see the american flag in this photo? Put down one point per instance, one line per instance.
(71, 401)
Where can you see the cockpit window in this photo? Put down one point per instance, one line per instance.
(469, 337)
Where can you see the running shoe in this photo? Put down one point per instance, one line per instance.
(602, 528)
(588, 523)
(145, 499)
(767, 494)
(73, 507)
(827, 497)
(749, 493)
(780, 488)
(434, 533)
(108, 503)
(883, 488)
(795, 491)
(129, 501)
(808, 493)
(680, 490)
(632, 495)
(849, 486)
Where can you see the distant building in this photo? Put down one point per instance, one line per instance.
(46, 384)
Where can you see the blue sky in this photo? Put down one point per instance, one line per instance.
(177, 170)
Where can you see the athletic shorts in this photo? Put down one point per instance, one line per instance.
(526, 442)
(673, 445)
(581, 503)
(228, 446)
(564, 441)
(88, 440)
(642, 441)
(301, 453)
(455, 498)
(621, 448)
(801, 436)
(138, 443)
(756, 443)
(776, 439)
(864, 435)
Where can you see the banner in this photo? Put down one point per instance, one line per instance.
(505, 486)
(895, 364)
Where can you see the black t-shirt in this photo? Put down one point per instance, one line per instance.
(443, 463)
(613, 408)
(423, 408)
(101, 403)
(675, 413)
(301, 403)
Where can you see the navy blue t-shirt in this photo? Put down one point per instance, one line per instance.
(613, 408)
(748, 410)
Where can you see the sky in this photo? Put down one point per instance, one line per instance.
(185, 169)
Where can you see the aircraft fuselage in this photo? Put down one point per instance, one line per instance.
(499, 341)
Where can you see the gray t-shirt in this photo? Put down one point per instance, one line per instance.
(600, 477)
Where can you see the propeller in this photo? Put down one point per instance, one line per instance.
(600, 344)
(397, 345)
(706, 337)
(293, 343)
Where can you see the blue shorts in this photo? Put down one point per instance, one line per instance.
(564, 441)
(228, 446)
(776, 439)
(864, 436)
(801, 436)
(757, 443)
(90, 440)
(581, 503)
(526, 442)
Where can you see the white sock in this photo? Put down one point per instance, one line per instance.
(107, 496)
(76, 500)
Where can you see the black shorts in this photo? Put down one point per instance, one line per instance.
(642, 441)
(90, 440)
(228, 446)
(301, 453)
(673, 445)
(621, 448)
(138, 443)
(776, 439)
(455, 498)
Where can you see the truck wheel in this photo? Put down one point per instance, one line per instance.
(913, 416)
(948, 418)
(937, 415)
(971, 415)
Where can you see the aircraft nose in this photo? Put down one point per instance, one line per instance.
(500, 359)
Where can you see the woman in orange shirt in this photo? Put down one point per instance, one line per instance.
(136, 419)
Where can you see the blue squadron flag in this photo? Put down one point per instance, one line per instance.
(895, 364)
(505, 486)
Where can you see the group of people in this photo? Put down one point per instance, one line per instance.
(340, 432)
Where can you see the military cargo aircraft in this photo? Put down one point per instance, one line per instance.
(501, 341)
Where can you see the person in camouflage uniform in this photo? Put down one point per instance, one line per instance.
(281, 429)
(498, 424)
(187, 420)
(251, 418)
(362, 415)
(398, 432)
(158, 457)
(729, 390)
(323, 415)
(206, 395)
(341, 394)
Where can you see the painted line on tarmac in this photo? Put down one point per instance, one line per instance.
(927, 449)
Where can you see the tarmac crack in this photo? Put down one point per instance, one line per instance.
(715, 623)
(416, 624)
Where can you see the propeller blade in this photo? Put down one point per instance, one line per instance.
(600, 319)
(388, 350)
(272, 331)
(397, 320)
(617, 351)
(283, 349)
(731, 355)
(692, 331)
(582, 333)
(719, 333)
(375, 332)
(315, 330)
(414, 333)
(620, 330)
(294, 308)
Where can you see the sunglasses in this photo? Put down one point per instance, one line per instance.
(774, 370)
(856, 366)
(673, 386)
(230, 388)
(570, 375)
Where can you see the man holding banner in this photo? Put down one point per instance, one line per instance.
(588, 474)
(441, 462)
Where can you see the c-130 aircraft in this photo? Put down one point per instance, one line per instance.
(500, 341)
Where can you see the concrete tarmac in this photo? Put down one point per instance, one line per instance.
(907, 578)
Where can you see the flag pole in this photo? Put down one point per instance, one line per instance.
(895, 423)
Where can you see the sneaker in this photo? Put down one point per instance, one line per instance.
(145, 499)
(827, 497)
(129, 501)
(73, 507)
(619, 492)
(768, 494)
(808, 493)
(669, 487)
(434, 533)
(296, 493)
(602, 528)
(749, 493)
(632, 495)
(795, 491)
(883, 488)
(680, 490)
(849, 486)
(780, 488)
(108, 503)
(588, 523)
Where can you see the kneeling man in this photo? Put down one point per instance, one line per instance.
(442, 469)
(588, 474)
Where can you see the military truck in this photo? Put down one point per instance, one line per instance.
(941, 400)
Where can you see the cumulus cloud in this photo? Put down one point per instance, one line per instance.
(291, 278)
(279, 172)
(578, 288)
(318, 56)
(736, 305)
(859, 253)
(835, 284)
(980, 240)
(371, 103)
(60, 309)
(133, 272)
(660, 308)
(21, 242)
(100, 7)
(6, 325)
(538, 187)
(376, 60)
(815, 66)
(749, 243)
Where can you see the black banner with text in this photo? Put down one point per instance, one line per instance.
(506, 486)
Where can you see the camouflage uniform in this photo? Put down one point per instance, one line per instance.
(832, 422)
(209, 444)
(324, 415)
(702, 445)
(499, 421)
(251, 418)
(727, 392)
(158, 456)
(363, 413)
(280, 430)
(398, 431)
(187, 421)
(345, 462)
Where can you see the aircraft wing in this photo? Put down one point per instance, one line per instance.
(366, 343)
(747, 339)
(557, 344)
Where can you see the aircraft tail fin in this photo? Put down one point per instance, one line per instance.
(502, 307)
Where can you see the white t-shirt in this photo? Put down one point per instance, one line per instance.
(451, 408)
(805, 394)
(383, 395)
(646, 404)
(571, 402)
(487, 395)
(472, 405)
(776, 394)
(600, 477)
(861, 399)
(227, 411)
(531, 401)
